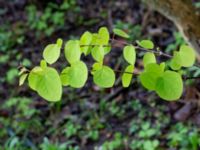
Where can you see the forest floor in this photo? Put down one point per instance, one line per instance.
(90, 118)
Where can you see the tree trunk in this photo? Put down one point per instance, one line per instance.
(185, 17)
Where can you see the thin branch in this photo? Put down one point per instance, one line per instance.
(160, 53)
(93, 45)
(190, 78)
(137, 47)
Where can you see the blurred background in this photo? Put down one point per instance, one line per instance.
(90, 118)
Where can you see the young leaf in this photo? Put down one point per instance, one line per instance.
(49, 86)
(51, 53)
(169, 86)
(121, 33)
(148, 80)
(162, 66)
(129, 54)
(104, 34)
(96, 66)
(98, 53)
(34, 77)
(146, 44)
(59, 42)
(43, 64)
(149, 58)
(127, 77)
(107, 49)
(65, 78)
(85, 39)
(187, 56)
(72, 51)
(153, 67)
(46, 82)
(22, 79)
(104, 77)
(149, 77)
(175, 62)
(76, 75)
(95, 41)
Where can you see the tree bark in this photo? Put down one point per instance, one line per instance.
(185, 17)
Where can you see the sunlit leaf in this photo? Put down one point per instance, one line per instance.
(149, 58)
(146, 44)
(104, 34)
(104, 77)
(34, 77)
(22, 78)
(46, 82)
(107, 49)
(96, 66)
(121, 33)
(72, 51)
(43, 64)
(65, 77)
(149, 77)
(51, 53)
(127, 77)
(98, 53)
(59, 42)
(129, 54)
(187, 56)
(75, 76)
(169, 86)
(85, 41)
(175, 63)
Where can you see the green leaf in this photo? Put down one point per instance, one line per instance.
(153, 67)
(121, 33)
(149, 77)
(34, 77)
(148, 80)
(98, 53)
(127, 77)
(162, 66)
(72, 51)
(175, 62)
(104, 34)
(43, 64)
(85, 39)
(96, 66)
(129, 54)
(104, 77)
(49, 87)
(51, 53)
(59, 42)
(187, 56)
(46, 82)
(107, 49)
(96, 40)
(149, 58)
(146, 44)
(22, 79)
(101, 38)
(169, 86)
(65, 76)
(75, 76)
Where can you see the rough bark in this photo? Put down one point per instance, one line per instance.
(184, 15)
